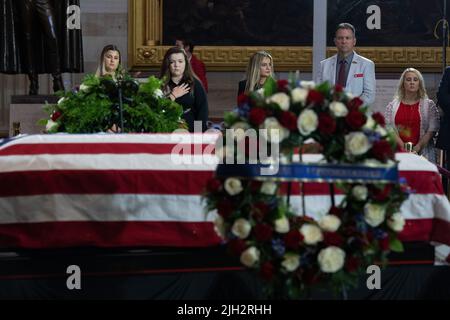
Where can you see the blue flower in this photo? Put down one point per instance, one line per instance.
(243, 110)
(278, 247)
(361, 224)
(379, 233)
(373, 136)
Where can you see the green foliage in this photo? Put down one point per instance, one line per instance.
(95, 108)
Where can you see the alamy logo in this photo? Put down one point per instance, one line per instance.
(74, 280)
(374, 280)
(73, 17)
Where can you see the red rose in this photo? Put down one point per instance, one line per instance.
(355, 103)
(315, 96)
(448, 259)
(56, 115)
(352, 264)
(283, 85)
(242, 99)
(288, 120)
(338, 88)
(292, 239)
(355, 119)
(336, 211)
(263, 232)
(311, 276)
(267, 270)
(382, 150)
(213, 185)
(369, 236)
(381, 194)
(236, 246)
(333, 239)
(257, 116)
(255, 186)
(327, 125)
(224, 208)
(384, 244)
(260, 210)
(379, 118)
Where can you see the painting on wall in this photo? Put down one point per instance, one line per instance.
(239, 22)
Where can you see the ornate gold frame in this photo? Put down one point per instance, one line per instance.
(145, 51)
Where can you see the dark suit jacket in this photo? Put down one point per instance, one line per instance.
(443, 98)
(241, 87)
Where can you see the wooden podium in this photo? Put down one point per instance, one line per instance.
(26, 111)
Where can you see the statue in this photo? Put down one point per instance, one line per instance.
(36, 40)
(43, 11)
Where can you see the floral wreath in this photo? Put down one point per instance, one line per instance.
(293, 252)
(94, 107)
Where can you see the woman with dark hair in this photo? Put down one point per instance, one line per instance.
(182, 86)
(109, 62)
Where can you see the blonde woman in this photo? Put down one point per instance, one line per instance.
(260, 67)
(413, 115)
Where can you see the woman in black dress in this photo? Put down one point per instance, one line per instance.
(260, 67)
(183, 87)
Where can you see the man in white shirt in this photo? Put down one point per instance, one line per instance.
(352, 71)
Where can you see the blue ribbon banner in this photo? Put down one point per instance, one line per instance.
(310, 172)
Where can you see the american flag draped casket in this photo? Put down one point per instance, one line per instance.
(138, 190)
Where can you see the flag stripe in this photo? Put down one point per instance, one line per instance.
(108, 234)
(103, 148)
(103, 182)
(157, 182)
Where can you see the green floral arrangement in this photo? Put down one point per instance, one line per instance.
(94, 107)
(294, 252)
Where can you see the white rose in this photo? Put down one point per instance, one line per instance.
(330, 223)
(331, 259)
(356, 143)
(233, 186)
(372, 163)
(239, 129)
(311, 233)
(291, 262)
(299, 95)
(381, 131)
(259, 92)
(250, 257)
(219, 226)
(282, 225)
(51, 125)
(84, 87)
(281, 99)
(349, 95)
(61, 100)
(307, 122)
(370, 123)
(396, 222)
(274, 132)
(360, 192)
(374, 214)
(269, 188)
(158, 94)
(338, 109)
(241, 228)
(307, 84)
